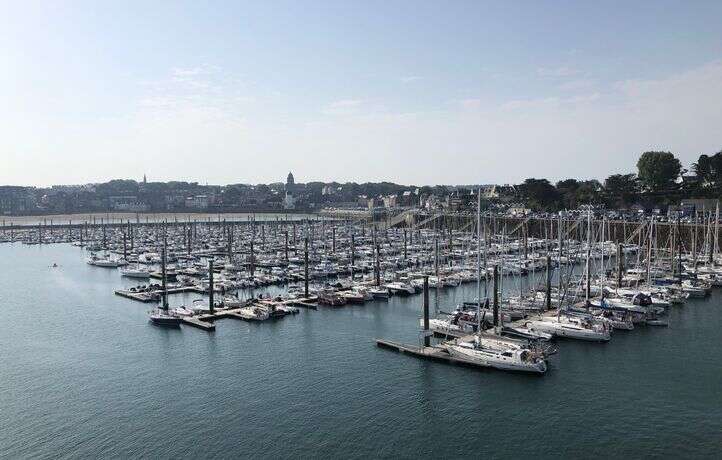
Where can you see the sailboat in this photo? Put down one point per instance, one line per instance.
(571, 327)
(135, 272)
(510, 359)
(105, 261)
(491, 350)
(162, 316)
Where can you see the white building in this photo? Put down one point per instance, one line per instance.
(390, 201)
(197, 202)
(289, 202)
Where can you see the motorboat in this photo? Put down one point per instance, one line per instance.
(230, 301)
(352, 296)
(379, 292)
(330, 298)
(399, 288)
(254, 313)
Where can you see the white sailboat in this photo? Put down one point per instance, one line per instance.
(137, 272)
(572, 328)
(511, 359)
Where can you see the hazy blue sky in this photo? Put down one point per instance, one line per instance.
(411, 92)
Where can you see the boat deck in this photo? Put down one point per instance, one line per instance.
(433, 353)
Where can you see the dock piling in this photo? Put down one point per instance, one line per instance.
(620, 265)
(210, 285)
(163, 279)
(549, 283)
(305, 266)
(427, 339)
(496, 296)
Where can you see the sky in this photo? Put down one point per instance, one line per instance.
(413, 92)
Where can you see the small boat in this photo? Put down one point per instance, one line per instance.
(287, 309)
(136, 272)
(353, 297)
(254, 313)
(330, 298)
(399, 288)
(657, 322)
(230, 301)
(105, 262)
(164, 318)
(379, 292)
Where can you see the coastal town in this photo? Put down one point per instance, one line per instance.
(660, 187)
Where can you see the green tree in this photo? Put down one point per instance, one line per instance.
(709, 169)
(658, 171)
(621, 190)
(567, 190)
(589, 192)
(539, 194)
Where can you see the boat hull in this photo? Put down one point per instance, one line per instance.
(497, 362)
(165, 321)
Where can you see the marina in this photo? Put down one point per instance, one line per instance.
(567, 277)
(352, 230)
(134, 361)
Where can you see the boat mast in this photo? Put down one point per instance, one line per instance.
(604, 273)
(589, 253)
(163, 278)
(649, 251)
(478, 260)
(501, 265)
(561, 245)
(679, 252)
(694, 243)
(716, 230)
(708, 237)
(486, 271)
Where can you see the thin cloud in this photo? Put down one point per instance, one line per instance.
(410, 79)
(578, 84)
(470, 103)
(343, 107)
(345, 103)
(557, 72)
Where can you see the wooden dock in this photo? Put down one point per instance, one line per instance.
(154, 296)
(206, 321)
(144, 296)
(198, 322)
(308, 302)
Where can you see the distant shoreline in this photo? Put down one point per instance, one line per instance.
(119, 217)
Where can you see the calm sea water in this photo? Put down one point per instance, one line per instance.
(83, 374)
